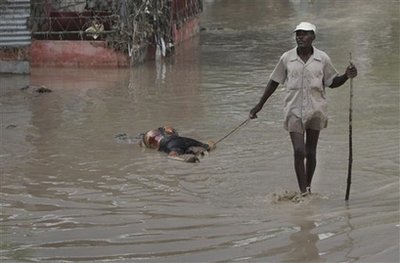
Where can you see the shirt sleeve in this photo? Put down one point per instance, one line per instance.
(329, 72)
(279, 73)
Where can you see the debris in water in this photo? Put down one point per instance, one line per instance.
(36, 89)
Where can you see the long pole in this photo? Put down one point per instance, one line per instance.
(350, 138)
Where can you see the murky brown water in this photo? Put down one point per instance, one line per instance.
(70, 192)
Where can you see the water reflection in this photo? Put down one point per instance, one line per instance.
(349, 231)
(303, 240)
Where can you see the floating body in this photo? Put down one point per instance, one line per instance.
(167, 139)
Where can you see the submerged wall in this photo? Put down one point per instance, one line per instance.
(60, 37)
(71, 53)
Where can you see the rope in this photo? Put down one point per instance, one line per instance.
(234, 130)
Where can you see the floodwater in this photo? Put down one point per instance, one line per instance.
(72, 192)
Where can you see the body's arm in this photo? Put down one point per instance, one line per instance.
(269, 90)
(189, 158)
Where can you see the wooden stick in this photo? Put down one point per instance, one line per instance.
(350, 138)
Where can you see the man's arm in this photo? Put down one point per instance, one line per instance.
(269, 90)
(351, 72)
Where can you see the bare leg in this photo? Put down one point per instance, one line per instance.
(299, 156)
(311, 154)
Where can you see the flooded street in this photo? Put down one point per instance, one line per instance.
(73, 192)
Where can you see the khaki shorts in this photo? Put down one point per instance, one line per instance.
(295, 124)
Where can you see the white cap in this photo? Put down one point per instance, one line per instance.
(306, 27)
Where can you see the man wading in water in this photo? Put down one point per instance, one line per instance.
(306, 71)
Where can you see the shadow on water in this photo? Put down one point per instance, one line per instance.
(70, 191)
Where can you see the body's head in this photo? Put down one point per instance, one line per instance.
(151, 139)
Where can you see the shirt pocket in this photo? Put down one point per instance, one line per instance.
(294, 81)
(315, 78)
